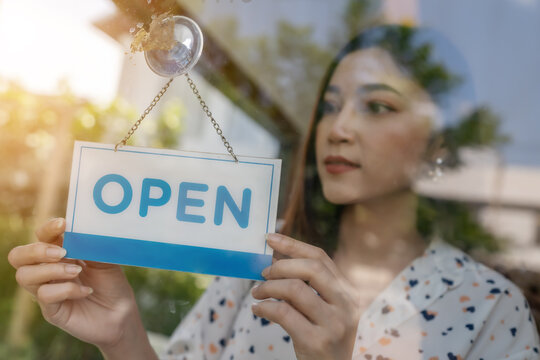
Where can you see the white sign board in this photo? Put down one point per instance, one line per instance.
(177, 210)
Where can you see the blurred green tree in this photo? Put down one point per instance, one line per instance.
(28, 133)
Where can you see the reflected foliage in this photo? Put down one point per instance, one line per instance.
(418, 60)
(29, 127)
(479, 128)
(164, 296)
(455, 223)
(288, 65)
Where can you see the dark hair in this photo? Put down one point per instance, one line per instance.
(422, 55)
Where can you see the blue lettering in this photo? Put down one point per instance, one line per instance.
(98, 194)
(184, 201)
(147, 201)
(242, 216)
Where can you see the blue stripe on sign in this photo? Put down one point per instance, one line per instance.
(160, 255)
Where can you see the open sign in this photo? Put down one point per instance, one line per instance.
(223, 197)
(175, 210)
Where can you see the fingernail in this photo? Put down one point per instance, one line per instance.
(265, 272)
(73, 269)
(87, 289)
(55, 252)
(58, 223)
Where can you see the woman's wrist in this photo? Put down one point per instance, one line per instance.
(133, 344)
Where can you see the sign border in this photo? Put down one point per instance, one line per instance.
(78, 242)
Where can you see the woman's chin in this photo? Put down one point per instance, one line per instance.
(343, 197)
(347, 196)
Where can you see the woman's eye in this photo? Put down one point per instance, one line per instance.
(377, 107)
(329, 107)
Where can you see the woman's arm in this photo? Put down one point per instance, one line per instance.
(91, 301)
(133, 345)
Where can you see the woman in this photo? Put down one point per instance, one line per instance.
(379, 291)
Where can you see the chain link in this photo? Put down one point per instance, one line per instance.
(204, 108)
(211, 117)
(144, 114)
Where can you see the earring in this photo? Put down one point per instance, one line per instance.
(434, 170)
(435, 159)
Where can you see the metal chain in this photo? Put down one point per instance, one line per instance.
(144, 114)
(211, 117)
(204, 108)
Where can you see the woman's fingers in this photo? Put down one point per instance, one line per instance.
(292, 248)
(32, 276)
(282, 313)
(42, 251)
(35, 253)
(313, 271)
(298, 294)
(51, 230)
(51, 299)
(49, 294)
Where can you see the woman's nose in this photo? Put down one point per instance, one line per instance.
(341, 129)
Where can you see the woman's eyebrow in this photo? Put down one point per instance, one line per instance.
(377, 87)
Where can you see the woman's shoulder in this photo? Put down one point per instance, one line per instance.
(451, 283)
(488, 307)
(469, 305)
(459, 271)
(504, 315)
(450, 260)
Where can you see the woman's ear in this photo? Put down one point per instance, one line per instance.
(435, 158)
(434, 147)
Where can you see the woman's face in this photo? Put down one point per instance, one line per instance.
(374, 129)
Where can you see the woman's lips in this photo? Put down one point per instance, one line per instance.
(339, 165)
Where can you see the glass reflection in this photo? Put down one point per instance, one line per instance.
(187, 47)
(288, 62)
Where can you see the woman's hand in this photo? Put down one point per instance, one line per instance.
(92, 301)
(323, 325)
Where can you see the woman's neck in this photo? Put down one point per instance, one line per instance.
(379, 235)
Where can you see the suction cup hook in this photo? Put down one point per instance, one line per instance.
(184, 54)
(176, 46)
